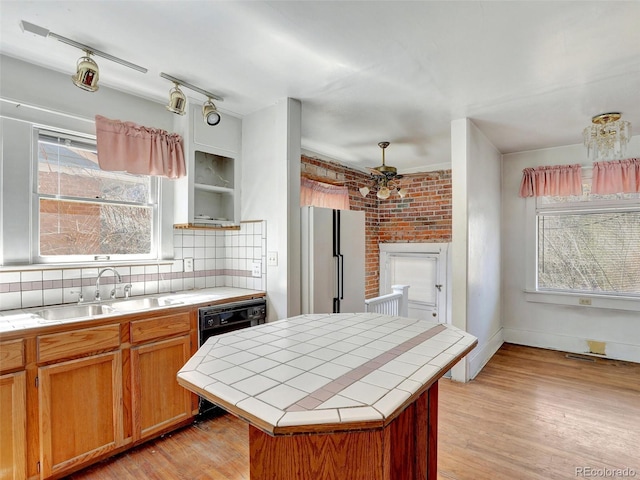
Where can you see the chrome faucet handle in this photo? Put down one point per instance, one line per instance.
(127, 290)
(112, 294)
(80, 296)
(97, 295)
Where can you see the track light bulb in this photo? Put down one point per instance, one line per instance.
(210, 113)
(177, 101)
(87, 73)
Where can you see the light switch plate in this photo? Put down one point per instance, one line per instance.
(256, 269)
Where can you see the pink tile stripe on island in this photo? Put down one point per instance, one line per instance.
(319, 396)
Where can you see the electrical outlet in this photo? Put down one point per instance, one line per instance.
(188, 264)
(584, 301)
(256, 269)
(272, 259)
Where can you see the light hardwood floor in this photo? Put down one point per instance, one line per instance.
(530, 414)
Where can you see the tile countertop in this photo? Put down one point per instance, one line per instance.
(28, 318)
(324, 372)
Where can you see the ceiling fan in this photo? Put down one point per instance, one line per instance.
(386, 170)
(385, 178)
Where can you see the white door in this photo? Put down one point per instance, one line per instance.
(424, 269)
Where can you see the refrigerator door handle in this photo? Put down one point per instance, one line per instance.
(341, 261)
(336, 298)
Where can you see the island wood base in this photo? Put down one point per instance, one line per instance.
(403, 450)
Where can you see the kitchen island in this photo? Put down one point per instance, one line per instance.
(333, 396)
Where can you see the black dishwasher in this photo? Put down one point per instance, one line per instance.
(219, 319)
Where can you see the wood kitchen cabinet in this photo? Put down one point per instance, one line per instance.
(13, 411)
(158, 402)
(79, 400)
(13, 426)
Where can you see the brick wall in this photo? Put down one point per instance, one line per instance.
(424, 215)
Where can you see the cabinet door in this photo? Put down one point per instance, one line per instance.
(158, 401)
(13, 426)
(81, 413)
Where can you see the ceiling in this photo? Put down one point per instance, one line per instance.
(529, 74)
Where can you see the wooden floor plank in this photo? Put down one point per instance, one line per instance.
(531, 414)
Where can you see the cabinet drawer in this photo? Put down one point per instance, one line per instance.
(159, 327)
(78, 342)
(11, 354)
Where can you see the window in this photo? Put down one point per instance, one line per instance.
(84, 213)
(589, 244)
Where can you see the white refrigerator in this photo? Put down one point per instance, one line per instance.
(333, 258)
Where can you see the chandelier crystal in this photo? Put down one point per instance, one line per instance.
(607, 137)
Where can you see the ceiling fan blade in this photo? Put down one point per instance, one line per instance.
(374, 171)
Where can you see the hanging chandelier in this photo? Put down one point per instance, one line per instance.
(385, 179)
(607, 137)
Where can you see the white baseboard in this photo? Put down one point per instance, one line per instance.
(479, 357)
(570, 344)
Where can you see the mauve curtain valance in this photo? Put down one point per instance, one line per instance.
(619, 176)
(132, 148)
(324, 195)
(557, 180)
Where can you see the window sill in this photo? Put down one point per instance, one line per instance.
(97, 264)
(584, 300)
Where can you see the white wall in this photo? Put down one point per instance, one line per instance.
(270, 190)
(475, 244)
(559, 327)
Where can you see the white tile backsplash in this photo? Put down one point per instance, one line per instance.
(225, 257)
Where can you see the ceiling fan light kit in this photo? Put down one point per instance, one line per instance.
(385, 179)
(88, 72)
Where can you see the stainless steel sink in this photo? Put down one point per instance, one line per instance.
(74, 311)
(134, 304)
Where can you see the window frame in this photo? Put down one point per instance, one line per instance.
(562, 297)
(81, 139)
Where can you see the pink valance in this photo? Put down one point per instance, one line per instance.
(320, 194)
(560, 180)
(132, 148)
(618, 176)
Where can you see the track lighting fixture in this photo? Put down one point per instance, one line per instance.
(87, 71)
(177, 101)
(210, 113)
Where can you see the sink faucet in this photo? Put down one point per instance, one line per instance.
(113, 291)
